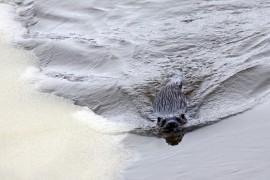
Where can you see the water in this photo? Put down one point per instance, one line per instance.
(43, 136)
(112, 56)
(236, 148)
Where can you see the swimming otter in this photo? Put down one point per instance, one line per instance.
(170, 105)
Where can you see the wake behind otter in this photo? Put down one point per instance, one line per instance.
(114, 65)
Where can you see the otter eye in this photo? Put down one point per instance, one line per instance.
(163, 123)
(178, 119)
(158, 119)
(183, 116)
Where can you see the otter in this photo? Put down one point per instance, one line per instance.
(170, 105)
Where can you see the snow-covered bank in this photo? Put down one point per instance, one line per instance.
(236, 148)
(41, 136)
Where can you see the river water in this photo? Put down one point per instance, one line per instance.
(113, 55)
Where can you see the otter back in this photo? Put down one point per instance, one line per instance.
(170, 101)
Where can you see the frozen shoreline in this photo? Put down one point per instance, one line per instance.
(235, 148)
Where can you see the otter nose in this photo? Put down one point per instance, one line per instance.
(172, 124)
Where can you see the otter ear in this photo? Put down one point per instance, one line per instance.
(159, 119)
(183, 119)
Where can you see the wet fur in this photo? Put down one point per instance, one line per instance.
(170, 105)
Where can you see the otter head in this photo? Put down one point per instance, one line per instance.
(171, 123)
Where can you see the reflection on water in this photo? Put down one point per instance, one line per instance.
(174, 139)
(172, 136)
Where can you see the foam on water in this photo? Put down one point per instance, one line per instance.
(41, 136)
